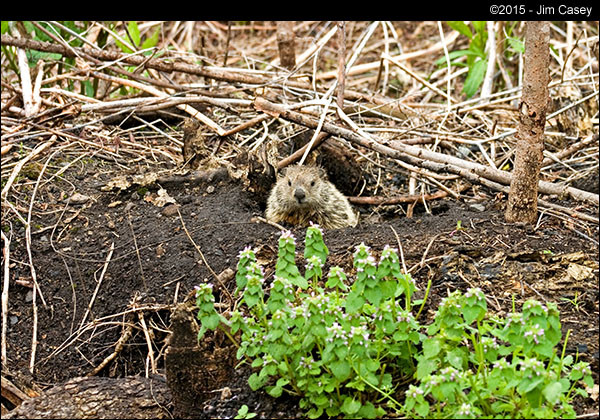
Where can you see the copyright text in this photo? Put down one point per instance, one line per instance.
(541, 10)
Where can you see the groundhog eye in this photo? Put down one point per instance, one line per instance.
(289, 182)
(312, 184)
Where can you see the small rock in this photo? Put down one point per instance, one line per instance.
(29, 296)
(170, 210)
(210, 189)
(78, 198)
(477, 206)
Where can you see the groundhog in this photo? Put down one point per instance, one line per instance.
(303, 194)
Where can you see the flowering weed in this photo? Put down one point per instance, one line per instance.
(355, 349)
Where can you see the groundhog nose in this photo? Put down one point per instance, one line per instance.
(299, 194)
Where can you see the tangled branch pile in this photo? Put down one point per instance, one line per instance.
(382, 90)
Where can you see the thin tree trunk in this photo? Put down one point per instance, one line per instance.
(341, 63)
(285, 41)
(522, 199)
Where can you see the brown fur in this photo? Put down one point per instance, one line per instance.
(303, 194)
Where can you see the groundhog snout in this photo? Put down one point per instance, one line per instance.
(300, 195)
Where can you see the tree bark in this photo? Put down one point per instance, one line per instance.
(522, 199)
(98, 397)
(341, 63)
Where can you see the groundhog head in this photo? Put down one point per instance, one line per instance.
(302, 185)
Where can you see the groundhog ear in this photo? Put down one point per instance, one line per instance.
(323, 173)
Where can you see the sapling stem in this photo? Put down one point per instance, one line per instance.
(291, 375)
(381, 391)
(424, 299)
(229, 336)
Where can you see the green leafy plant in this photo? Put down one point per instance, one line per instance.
(476, 366)
(574, 301)
(354, 348)
(514, 44)
(244, 414)
(335, 346)
(476, 58)
(135, 37)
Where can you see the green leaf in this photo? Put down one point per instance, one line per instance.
(315, 413)
(354, 302)
(367, 411)
(211, 322)
(275, 391)
(474, 78)
(34, 56)
(425, 367)
(4, 26)
(454, 55)
(152, 40)
(527, 385)
(431, 347)
(299, 281)
(552, 392)
(516, 44)
(350, 406)
(341, 369)
(371, 365)
(282, 382)
(457, 358)
(534, 398)
(479, 26)
(422, 409)
(461, 27)
(471, 313)
(255, 381)
(373, 295)
(477, 45)
(134, 32)
(243, 410)
(251, 300)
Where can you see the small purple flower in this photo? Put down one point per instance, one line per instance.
(246, 252)
(287, 234)
(414, 391)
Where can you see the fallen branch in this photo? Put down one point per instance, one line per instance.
(118, 348)
(569, 150)
(401, 151)
(232, 75)
(300, 152)
(402, 199)
(363, 68)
